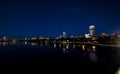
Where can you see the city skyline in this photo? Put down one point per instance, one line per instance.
(24, 18)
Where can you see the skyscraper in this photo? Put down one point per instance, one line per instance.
(91, 29)
(64, 34)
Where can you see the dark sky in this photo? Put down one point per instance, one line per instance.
(21, 18)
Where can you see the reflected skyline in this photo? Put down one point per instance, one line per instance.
(71, 51)
(89, 51)
(92, 55)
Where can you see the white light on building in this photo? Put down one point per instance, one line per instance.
(91, 29)
(87, 35)
(64, 34)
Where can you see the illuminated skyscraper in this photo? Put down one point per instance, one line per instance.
(91, 29)
(87, 35)
(64, 34)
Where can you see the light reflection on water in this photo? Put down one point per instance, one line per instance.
(83, 47)
(90, 51)
(66, 47)
(74, 46)
(7, 43)
(92, 55)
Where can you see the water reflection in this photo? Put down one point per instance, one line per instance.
(83, 47)
(85, 50)
(7, 43)
(74, 46)
(93, 57)
(65, 50)
(93, 48)
(26, 43)
(4, 43)
(92, 54)
(54, 45)
(60, 45)
(65, 47)
(33, 43)
(90, 51)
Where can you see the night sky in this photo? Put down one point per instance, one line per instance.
(26, 18)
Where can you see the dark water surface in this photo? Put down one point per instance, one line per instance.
(81, 58)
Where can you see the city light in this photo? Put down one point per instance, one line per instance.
(88, 39)
(83, 47)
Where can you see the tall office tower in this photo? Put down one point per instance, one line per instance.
(64, 34)
(92, 30)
